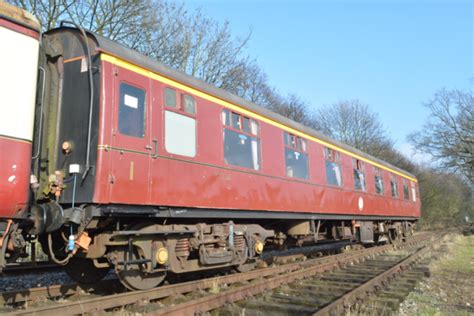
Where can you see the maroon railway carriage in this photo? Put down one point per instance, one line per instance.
(149, 171)
(19, 34)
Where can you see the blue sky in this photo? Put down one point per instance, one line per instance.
(392, 55)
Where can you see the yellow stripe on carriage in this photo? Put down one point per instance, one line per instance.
(142, 71)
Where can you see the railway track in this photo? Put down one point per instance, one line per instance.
(19, 268)
(54, 292)
(295, 284)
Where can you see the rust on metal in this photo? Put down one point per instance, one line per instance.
(264, 280)
(363, 290)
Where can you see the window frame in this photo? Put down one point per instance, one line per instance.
(241, 131)
(121, 104)
(406, 196)
(196, 149)
(183, 101)
(336, 159)
(179, 108)
(414, 192)
(378, 173)
(359, 166)
(296, 146)
(165, 90)
(393, 179)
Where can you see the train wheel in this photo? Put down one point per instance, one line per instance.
(133, 276)
(243, 250)
(84, 271)
(393, 235)
(408, 231)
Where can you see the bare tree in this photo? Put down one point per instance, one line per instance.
(249, 83)
(388, 153)
(448, 134)
(195, 44)
(188, 41)
(290, 106)
(49, 13)
(119, 20)
(353, 123)
(164, 30)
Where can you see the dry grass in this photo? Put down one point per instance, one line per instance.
(450, 289)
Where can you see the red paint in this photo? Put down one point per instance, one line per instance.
(15, 160)
(15, 157)
(19, 28)
(206, 181)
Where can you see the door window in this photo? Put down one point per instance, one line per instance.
(132, 111)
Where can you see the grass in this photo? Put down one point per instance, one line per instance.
(463, 261)
(450, 289)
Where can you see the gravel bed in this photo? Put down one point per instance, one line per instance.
(33, 279)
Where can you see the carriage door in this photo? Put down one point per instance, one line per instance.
(131, 145)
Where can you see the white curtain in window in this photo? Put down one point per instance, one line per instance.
(337, 172)
(413, 192)
(224, 115)
(253, 127)
(256, 164)
(380, 183)
(362, 180)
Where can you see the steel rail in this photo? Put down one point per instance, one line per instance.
(19, 296)
(362, 291)
(64, 290)
(217, 300)
(269, 277)
(53, 291)
(29, 267)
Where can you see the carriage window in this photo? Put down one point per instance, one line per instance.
(379, 187)
(246, 124)
(393, 186)
(413, 191)
(296, 158)
(406, 194)
(180, 134)
(235, 119)
(241, 144)
(333, 167)
(253, 127)
(170, 97)
(189, 105)
(132, 111)
(226, 117)
(359, 174)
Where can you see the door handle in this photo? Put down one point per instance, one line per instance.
(155, 155)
